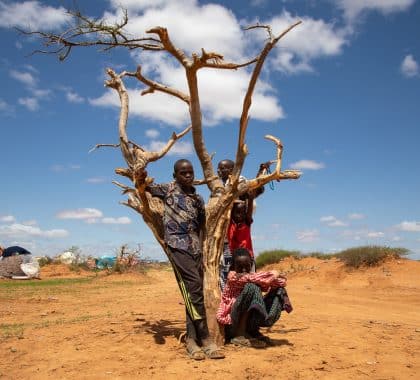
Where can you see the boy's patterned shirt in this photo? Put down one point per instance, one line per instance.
(184, 216)
(234, 286)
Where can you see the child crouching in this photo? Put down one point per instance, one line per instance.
(243, 308)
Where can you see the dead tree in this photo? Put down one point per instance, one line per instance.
(137, 157)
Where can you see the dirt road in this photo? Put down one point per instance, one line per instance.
(345, 325)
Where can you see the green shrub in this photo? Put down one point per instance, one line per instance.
(275, 256)
(369, 256)
(322, 256)
(45, 260)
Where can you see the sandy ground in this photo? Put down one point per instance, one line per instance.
(361, 324)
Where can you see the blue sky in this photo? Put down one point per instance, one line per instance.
(341, 91)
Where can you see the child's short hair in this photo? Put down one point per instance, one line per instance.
(239, 252)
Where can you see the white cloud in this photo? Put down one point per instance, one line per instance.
(120, 220)
(152, 133)
(396, 238)
(307, 236)
(409, 226)
(7, 219)
(31, 222)
(191, 25)
(19, 231)
(31, 15)
(353, 8)
(307, 164)
(224, 90)
(182, 148)
(24, 77)
(375, 234)
(356, 216)
(96, 180)
(310, 40)
(73, 97)
(109, 220)
(337, 223)
(30, 103)
(409, 66)
(159, 107)
(332, 221)
(39, 93)
(3, 105)
(81, 213)
(58, 168)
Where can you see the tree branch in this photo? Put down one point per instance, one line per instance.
(154, 156)
(158, 87)
(243, 123)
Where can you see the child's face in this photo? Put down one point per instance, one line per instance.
(239, 212)
(243, 264)
(184, 174)
(224, 169)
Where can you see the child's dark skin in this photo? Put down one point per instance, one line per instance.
(184, 175)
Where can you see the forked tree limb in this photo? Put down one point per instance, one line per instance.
(169, 46)
(243, 123)
(154, 156)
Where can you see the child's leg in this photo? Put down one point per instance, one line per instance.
(225, 264)
(250, 301)
(190, 282)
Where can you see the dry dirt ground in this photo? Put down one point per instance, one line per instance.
(362, 324)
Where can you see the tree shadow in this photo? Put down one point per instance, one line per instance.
(162, 329)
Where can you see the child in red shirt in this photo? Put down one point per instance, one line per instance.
(239, 230)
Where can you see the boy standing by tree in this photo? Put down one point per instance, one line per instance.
(184, 224)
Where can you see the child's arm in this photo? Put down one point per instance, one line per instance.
(265, 280)
(250, 208)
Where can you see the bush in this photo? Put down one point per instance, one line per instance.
(44, 260)
(369, 256)
(275, 256)
(321, 256)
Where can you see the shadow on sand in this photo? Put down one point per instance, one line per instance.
(162, 328)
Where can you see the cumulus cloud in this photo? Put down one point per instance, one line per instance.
(354, 8)
(158, 107)
(409, 66)
(7, 219)
(24, 77)
(120, 220)
(411, 226)
(332, 221)
(20, 231)
(307, 236)
(96, 180)
(3, 105)
(81, 213)
(73, 97)
(30, 103)
(152, 133)
(375, 234)
(312, 39)
(307, 164)
(356, 216)
(182, 148)
(58, 168)
(91, 216)
(31, 15)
